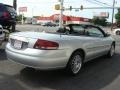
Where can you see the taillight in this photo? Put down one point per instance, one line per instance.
(45, 44)
(6, 14)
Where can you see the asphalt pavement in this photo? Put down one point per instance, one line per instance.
(100, 74)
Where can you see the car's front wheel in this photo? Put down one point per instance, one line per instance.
(117, 32)
(75, 63)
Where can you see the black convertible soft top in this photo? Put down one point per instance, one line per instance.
(65, 29)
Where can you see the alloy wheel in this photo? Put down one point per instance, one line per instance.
(76, 64)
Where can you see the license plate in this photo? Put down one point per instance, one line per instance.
(18, 44)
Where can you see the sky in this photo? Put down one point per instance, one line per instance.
(46, 7)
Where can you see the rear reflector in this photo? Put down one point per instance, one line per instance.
(45, 44)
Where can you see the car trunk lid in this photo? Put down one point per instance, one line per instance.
(23, 40)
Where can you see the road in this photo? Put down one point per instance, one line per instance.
(100, 74)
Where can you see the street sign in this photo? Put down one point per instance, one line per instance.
(57, 7)
(22, 9)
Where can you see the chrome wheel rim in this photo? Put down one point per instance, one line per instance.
(112, 51)
(76, 64)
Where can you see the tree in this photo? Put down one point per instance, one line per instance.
(19, 18)
(99, 21)
(117, 17)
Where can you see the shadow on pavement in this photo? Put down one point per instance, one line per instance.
(8, 82)
(95, 75)
(2, 55)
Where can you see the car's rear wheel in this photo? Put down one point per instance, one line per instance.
(111, 51)
(75, 63)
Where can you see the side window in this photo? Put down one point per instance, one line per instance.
(79, 30)
(94, 32)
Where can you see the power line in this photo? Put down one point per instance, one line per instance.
(98, 3)
(102, 3)
(94, 2)
(94, 8)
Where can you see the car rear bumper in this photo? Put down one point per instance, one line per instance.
(53, 59)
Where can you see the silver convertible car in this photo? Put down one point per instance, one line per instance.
(68, 47)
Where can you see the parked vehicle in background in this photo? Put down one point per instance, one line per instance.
(7, 17)
(2, 35)
(67, 48)
(49, 24)
(116, 31)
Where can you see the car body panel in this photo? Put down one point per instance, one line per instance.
(38, 58)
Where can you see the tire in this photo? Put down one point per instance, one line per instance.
(111, 51)
(13, 28)
(117, 32)
(75, 63)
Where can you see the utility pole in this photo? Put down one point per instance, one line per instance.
(22, 18)
(32, 12)
(15, 7)
(61, 13)
(113, 14)
(15, 4)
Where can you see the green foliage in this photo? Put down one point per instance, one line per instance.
(19, 18)
(117, 16)
(99, 21)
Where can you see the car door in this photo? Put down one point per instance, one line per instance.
(89, 43)
(96, 46)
